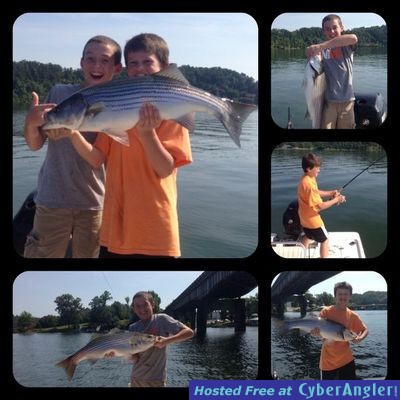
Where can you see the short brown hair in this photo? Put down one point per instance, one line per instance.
(150, 43)
(108, 41)
(331, 17)
(309, 161)
(342, 285)
(147, 295)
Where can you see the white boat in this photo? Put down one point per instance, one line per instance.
(341, 245)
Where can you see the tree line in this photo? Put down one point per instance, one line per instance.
(98, 316)
(374, 36)
(368, 299)
(29, 76)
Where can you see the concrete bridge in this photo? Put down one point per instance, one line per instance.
(295, 283)
(201, 297)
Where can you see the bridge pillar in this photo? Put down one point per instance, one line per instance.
(303, 306)
(201, 320)
(240, 315)
(192, 319)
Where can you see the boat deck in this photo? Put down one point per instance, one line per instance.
(341, 245)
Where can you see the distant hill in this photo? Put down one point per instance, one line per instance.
(29, 76)
(373, 36)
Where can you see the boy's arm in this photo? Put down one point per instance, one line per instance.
(184, 334)
(86, 150)
(336, 200)
(328, 193)
(34, 137)
(160, 159)
(339, 41)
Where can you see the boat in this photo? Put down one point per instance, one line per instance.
(341, 245)
(289, 245)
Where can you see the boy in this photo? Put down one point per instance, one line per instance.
(140, 217)
(70, 191)
(149, 369)
(337, 59)
(311, 203)
(337, 361)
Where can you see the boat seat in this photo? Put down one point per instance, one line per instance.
(289, 249)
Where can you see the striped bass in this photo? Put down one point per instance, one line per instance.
(314, 88)
(328, 329)
(122, 344)
(113, 107)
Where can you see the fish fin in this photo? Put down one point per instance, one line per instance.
(172, 72)
(95, 109)
(118, 136)
(307, 115)
(235, 116)
(187, 121)
(68, 366)
(114, 330)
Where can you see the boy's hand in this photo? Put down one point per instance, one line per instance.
(57, 134)
(149, 119)
(35, 116)
(161, 342)
(313, 50)
(316, 332)
(341, 199)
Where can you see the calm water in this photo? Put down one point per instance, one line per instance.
(365, 210)
(223, 354)
(287, 72)
(218, 192)
(296, 356)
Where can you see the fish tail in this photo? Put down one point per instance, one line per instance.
(235, 116)
(69, 366)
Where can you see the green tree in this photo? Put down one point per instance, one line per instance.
(69, 309)
(25, 322)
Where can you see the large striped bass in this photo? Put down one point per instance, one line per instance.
(121, 344)
(314, 88)
(328, 329)
(113, 107)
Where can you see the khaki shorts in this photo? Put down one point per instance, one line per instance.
(338, 115)
(55, 229)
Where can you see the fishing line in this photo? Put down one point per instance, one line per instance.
(369, 166)
(104, 275)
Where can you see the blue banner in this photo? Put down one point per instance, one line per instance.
(293, 390)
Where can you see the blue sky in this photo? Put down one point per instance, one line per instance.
(361, 281)
(227, 40)
(293, 21)
(35, 291)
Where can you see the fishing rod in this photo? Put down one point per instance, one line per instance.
(369, 166)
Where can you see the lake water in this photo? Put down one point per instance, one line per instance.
(296, 356)
(365, 210)
(287, 72)
(218, 192)
(222, 354)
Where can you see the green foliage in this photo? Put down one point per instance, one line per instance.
(25, 322)
(69, 309)
(29, 76)
(282, 39)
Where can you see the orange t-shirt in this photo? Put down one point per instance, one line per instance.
(140, 208)
(335, 354)
(309, 198)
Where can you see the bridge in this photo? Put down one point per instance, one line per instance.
(196, 301)
(295, 283)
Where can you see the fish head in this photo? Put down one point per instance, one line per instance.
(141, 341)
(68, 114)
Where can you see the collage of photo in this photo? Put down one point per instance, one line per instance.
(145, 187)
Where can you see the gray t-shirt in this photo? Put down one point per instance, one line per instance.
(152, 364)
(338, 67)
(65, 179)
